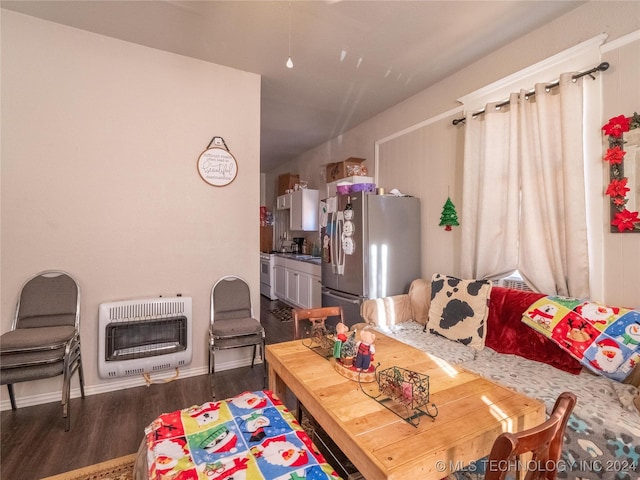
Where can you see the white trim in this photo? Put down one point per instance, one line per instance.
(424, 123)
(575, 58)
(409, 129)
(619, 42)
(124, 383)
(593, 170)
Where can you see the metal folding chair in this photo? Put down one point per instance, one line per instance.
(44, 340)
(233, 324)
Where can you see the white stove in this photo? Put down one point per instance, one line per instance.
(267, 276)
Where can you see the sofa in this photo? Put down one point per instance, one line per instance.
(602, 439)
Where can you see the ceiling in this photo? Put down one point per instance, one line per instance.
(352, 59)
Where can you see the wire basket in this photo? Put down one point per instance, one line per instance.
(320, 339)
(405, 393)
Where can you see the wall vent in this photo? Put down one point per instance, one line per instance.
(144, 336)
(516, 283)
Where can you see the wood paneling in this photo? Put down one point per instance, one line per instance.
(419, 163)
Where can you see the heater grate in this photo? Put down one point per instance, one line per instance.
(145, 338)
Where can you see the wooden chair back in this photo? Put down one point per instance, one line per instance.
(315, 316)
(544, 442)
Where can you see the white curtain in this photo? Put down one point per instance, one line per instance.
(490, 193)
(535, 164)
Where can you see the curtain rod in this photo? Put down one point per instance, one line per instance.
(600, 68)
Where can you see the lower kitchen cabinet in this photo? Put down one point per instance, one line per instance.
(280, 267)
(293, 286)
(298, 283)
(309, 290)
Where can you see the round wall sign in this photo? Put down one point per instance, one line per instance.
(217, 166)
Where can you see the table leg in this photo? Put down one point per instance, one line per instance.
(276, 384)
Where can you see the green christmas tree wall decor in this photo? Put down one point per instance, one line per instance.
(449, 216)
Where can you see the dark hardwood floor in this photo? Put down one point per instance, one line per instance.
(105, 426)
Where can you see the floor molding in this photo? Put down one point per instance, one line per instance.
(124, 383)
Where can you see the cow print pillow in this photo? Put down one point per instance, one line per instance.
(459, 309)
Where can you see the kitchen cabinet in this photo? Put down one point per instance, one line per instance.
(304, 210)
(298, 283)
(292, 286)
(266, 238)
(283, 202)
(316, 291)
(309, 290)
(280, 277)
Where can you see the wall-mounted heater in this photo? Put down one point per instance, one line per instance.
(144, 336)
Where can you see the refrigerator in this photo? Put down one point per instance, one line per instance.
(370, 249)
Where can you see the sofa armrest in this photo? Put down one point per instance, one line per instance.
(420, 297)
(387, 311)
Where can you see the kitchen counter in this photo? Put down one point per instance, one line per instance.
(300, 257)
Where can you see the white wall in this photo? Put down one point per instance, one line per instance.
(100, 140)
(621, 97)
(440, 168)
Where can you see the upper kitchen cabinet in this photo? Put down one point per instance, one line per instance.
(304, 210)
(283, 202)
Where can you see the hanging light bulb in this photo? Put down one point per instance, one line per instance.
(289, 61)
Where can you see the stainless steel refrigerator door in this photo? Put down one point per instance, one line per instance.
(351, 244)
(393, 242)
(328, 253)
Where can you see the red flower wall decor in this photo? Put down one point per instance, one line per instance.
(615, 155)
(617, 126)
(622, 219)
(617, 188)
(626, 220)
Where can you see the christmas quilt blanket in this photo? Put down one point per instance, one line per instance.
(604, 339)
(248, 437)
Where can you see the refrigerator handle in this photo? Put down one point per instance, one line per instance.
(343, 299)
(332, 237)
(339, 250)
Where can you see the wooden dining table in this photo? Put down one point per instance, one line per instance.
(470, 411)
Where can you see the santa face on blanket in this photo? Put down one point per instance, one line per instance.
(609, 357)
(249, 400)
(280, 451)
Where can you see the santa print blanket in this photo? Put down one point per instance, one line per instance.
(604, 339)
(250, 436)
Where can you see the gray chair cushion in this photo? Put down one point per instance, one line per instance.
(36, 372)
(236, 327)
(43, 338)
(30, 359)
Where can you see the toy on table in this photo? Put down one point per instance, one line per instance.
(340, 338)
(365, 349)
